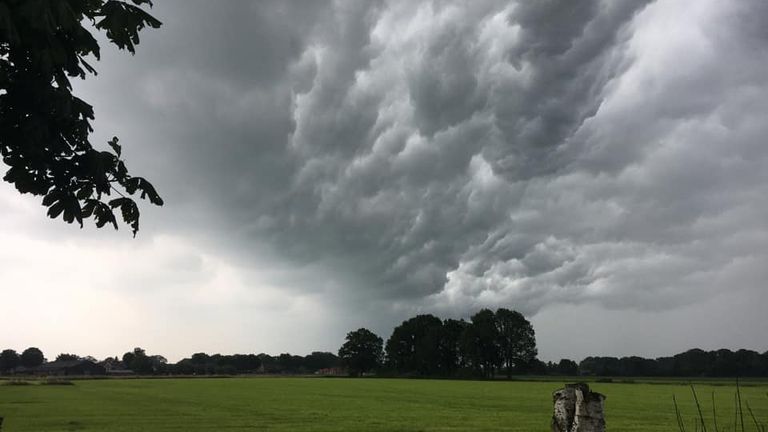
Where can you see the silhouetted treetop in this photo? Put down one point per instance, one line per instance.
(362, 351)
(32, 357)
(67, 357)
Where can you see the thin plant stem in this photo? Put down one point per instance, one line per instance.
(698, 407)
(741, 410)
(714, 412)
(680, 423)
(760, 427)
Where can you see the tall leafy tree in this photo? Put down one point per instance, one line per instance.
(44, 128)
(517, 340)
(567, 367)
(320, 360)
(138, 361)
(362, 351)
(32, 357)
(451, 354)
(480, 343)
(9, 359)
(414, 346)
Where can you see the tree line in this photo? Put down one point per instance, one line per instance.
(142, 363)
(691, 363)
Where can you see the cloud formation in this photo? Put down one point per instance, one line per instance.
(460, 154)
(399, 156)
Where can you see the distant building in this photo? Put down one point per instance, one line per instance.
(22, 370)
(336, 371)
(120, 372)
(115, 367)
(70, 368)
(111, 363)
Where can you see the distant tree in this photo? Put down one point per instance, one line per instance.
(451, 358)
(636, 366)
(321, 360)
(599, 366)
(44, 128)
(32, 357)
(267, 363)
(157, 363)
(182, 367)
(67, 357)
(538, 367)
(201, 363)
(129, 356)
(414, 346)
(693, 363)
(219, 364)
(567, 367)
(750, 363)
(724, 363)
(200, 358)
(291, 364)
(665, 366)
(138, 361)
(9, 359)
(480, 343)
(241, 363)
(113, 363)
(362, 351)
(517, 340)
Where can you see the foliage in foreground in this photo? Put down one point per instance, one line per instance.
(44, 128)
(700, 423)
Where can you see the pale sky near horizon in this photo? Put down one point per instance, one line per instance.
(600, 166)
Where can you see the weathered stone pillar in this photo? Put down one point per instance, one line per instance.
(577, 409)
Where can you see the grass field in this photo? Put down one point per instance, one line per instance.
(326, 404)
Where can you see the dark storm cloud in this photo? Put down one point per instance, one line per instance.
(452, 155)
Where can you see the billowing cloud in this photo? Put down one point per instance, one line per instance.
(387, 157)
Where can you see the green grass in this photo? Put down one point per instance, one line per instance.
(325, 404)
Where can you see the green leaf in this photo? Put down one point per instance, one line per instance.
(117, 202)
(52, 197)
(72, 210)
(123, 21)
(103, 215)
(129, 210)
(88, 208)
(115, 146)
(147, 190)
(55, 210)
(85, 192)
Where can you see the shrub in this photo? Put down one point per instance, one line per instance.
(56, 381)
(17, 382)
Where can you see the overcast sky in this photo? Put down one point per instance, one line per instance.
(599, 165)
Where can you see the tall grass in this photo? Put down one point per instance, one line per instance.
(739, 425)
